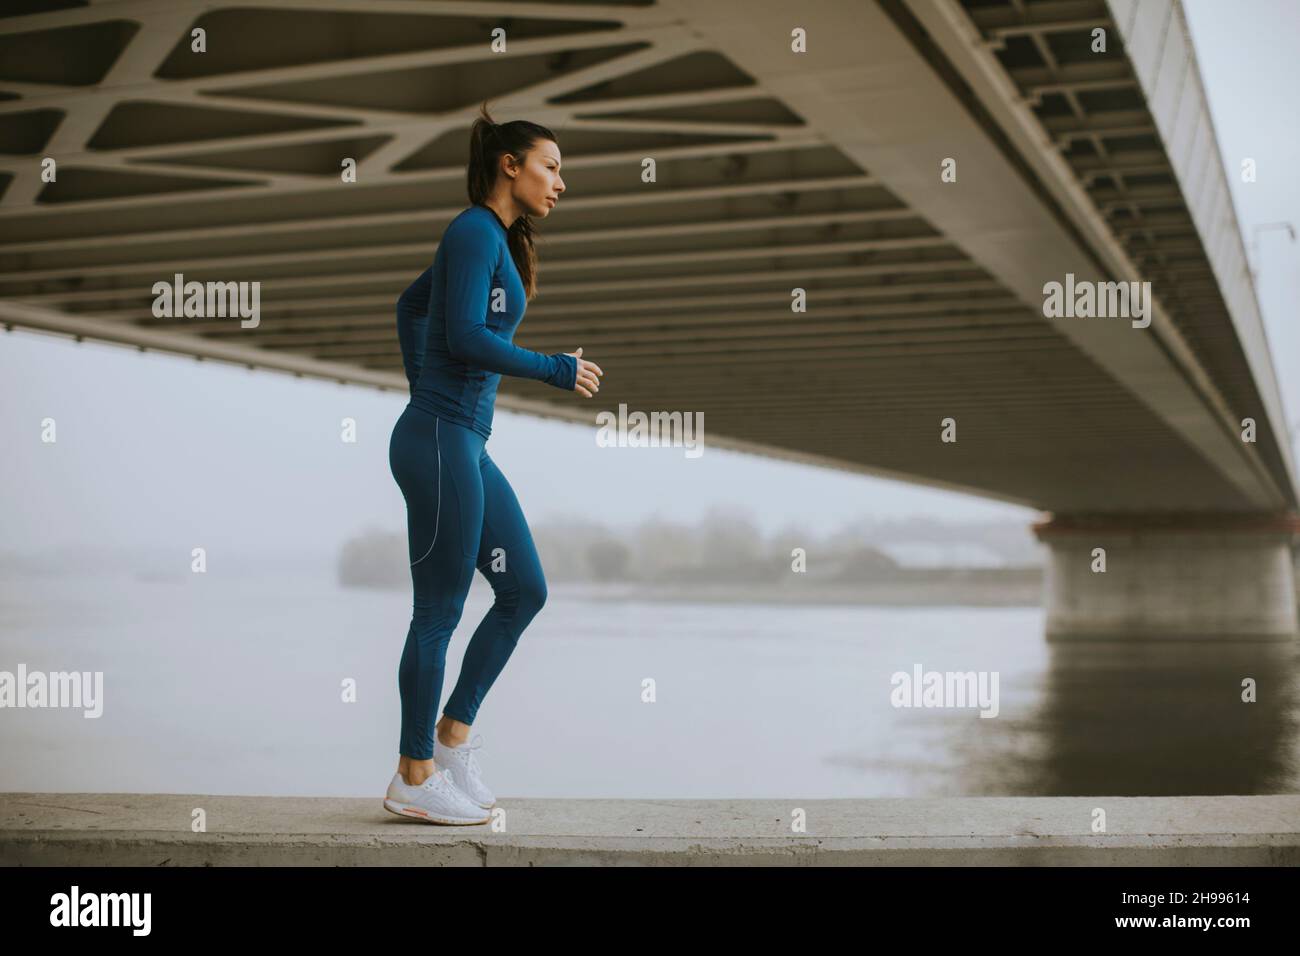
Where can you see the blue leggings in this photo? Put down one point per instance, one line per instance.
(462, 514)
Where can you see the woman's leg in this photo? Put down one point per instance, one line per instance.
(436, 464)
(508, 559)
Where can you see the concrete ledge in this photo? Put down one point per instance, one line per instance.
(123, 829)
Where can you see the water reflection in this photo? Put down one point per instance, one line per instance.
(1143, 718)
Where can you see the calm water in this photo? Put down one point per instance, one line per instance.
(232, 685)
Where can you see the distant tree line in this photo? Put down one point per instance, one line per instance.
(726, 545)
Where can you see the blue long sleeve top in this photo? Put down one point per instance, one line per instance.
(456, 324)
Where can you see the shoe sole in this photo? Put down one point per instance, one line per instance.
(419, 813)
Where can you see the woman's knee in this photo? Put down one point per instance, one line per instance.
(533, 593)
(441, 588)
(522, 595)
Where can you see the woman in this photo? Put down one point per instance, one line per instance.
(455, 324)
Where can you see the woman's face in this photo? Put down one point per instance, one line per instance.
(537, 184)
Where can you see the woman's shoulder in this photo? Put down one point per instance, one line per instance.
(475, 219)
(473, 230)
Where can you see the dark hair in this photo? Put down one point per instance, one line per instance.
(487, 142)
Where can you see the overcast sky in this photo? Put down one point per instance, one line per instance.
(156, 451)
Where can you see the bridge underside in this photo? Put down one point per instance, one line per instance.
(774, 170)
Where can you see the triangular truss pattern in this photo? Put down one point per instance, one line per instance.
(225, 166)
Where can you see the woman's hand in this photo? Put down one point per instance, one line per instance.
(588, 383)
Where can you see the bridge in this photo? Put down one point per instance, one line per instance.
(841, 252)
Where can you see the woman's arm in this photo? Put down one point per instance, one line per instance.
(471, 255)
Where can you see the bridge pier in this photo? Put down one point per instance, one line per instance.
(1185, 577)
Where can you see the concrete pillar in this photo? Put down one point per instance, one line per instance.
(1188, 577)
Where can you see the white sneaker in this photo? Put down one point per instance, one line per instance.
(464, 769)
(437, 800)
